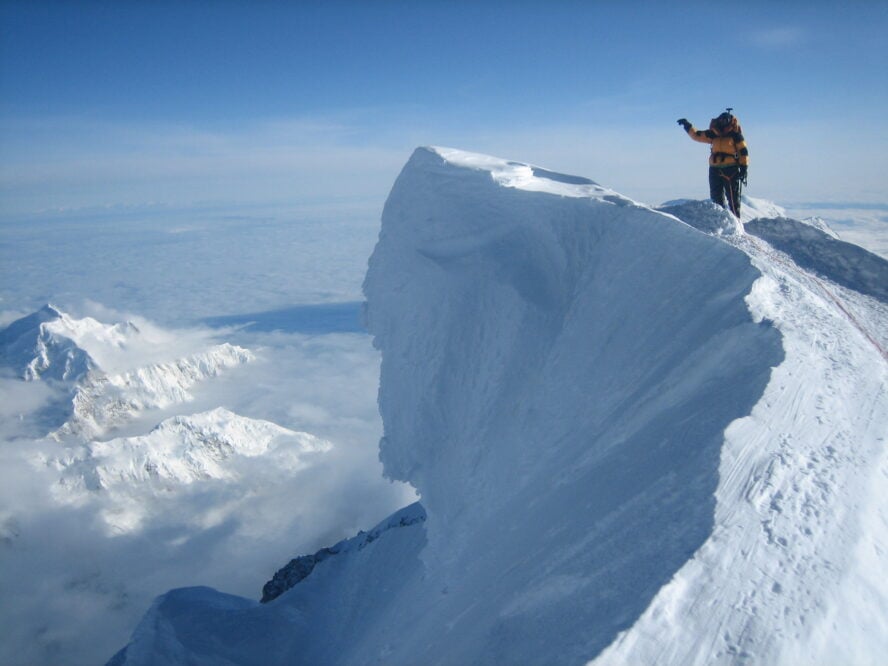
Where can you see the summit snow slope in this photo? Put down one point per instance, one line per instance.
(634, 442)
(795, 569)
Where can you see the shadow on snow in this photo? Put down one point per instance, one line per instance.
(314, 319)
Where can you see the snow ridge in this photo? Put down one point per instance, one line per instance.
(559, 367)
(50, 345)
(795, 569)
(104, 401)
(634, 443)
(810, 248)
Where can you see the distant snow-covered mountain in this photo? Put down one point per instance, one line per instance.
(107, 375)
(106, 400)
(178, 452)
(103, 368)
(186, 449)
(43, 345)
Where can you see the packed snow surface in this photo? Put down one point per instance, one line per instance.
(634, 443)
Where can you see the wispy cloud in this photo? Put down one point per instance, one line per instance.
(778, 38)
(65, 163)
(352, 159)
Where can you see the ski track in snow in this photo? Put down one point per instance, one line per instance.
(792, 504)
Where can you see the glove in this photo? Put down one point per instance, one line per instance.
(684, 123)
(742, 172)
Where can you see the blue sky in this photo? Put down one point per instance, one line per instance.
(237, 104)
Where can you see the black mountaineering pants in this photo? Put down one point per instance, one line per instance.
(724, 183)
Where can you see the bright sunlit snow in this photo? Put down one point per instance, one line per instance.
(257, 405)
(634, 442)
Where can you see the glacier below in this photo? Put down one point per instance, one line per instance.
(633, 442)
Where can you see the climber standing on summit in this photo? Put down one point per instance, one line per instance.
(728, 159)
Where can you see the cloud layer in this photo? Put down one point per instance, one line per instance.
(346, 168)
(74, 585)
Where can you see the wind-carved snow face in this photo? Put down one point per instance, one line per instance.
(559, 366)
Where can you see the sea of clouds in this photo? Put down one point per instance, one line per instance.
(284, 284)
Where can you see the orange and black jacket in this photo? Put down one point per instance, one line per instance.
(728, 145)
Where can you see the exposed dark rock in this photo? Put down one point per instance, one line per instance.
(299, 568)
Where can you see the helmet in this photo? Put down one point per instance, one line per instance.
(724, 119)
(723, 123)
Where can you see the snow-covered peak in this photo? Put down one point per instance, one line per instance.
(489, 292)
(52, 344)
(180, 451)
(112, 399)
(820, 224)
(29, 323)
(110, 372)
(40, 346)
(187, 448)
(96, 338)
